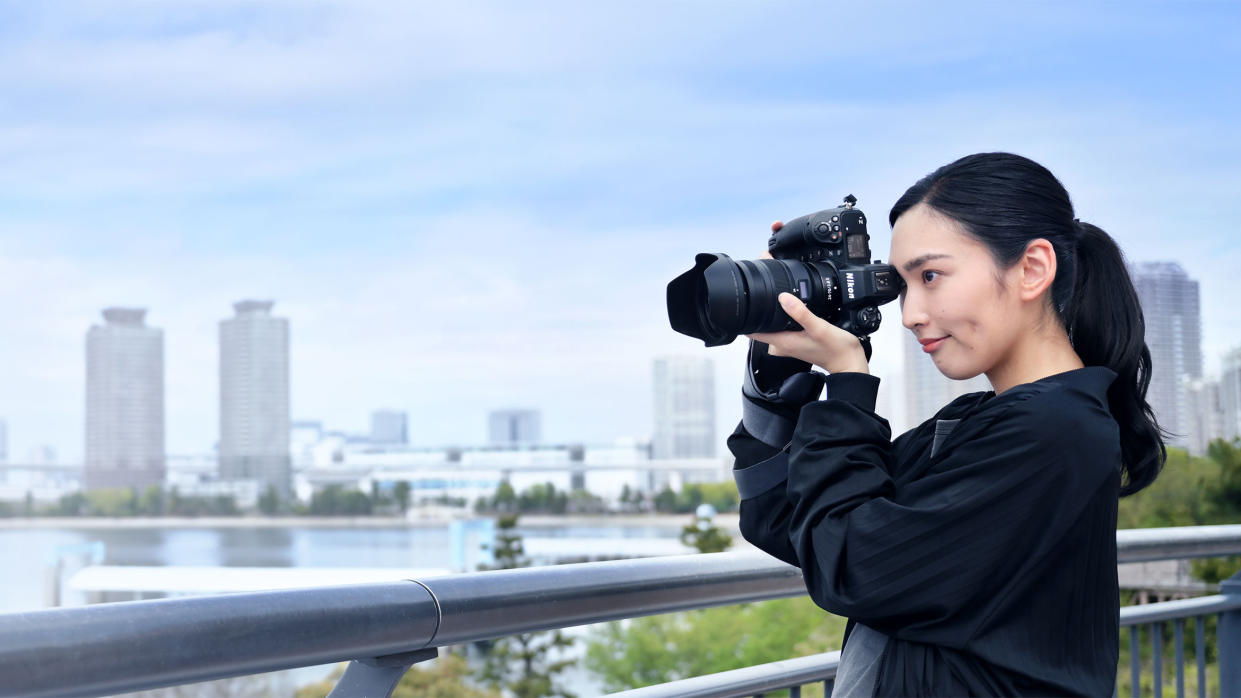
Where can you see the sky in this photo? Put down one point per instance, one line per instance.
(476, 205)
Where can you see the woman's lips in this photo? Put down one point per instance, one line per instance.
(930, 345)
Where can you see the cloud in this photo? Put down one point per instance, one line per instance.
(475, 205)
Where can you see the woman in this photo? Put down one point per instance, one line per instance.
(976, 553)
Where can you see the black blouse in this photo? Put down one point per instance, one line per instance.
(990, 563)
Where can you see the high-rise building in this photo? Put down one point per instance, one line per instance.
(1230, 395)
(254, 397)
(1174, 335)
(389, 427)
(124, 402)
(1204, 417)
(684, 407)
(519, 427)
(926, 389)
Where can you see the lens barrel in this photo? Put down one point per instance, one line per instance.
(719, 299)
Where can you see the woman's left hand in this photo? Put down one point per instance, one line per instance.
(820, 342)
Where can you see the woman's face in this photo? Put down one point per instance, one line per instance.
(957, 302)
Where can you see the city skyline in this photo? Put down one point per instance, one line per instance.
(459, 231)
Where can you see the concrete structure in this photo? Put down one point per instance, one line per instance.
(516, 427)
(124, 402)
(469, 473)
(389, 427)
(684, 407)
(926, 389)
(1170, 306)
(254, 397)
(1230, 395)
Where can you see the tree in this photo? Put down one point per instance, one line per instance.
(151, 501)
(704, 535)
(269, 501)
(647, 651)
(401, 492)
(521, 663)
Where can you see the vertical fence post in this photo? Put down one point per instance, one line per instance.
(1228, 634)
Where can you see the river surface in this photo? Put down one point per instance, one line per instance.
(27, 555)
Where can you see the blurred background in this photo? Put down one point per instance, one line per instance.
(277, 258)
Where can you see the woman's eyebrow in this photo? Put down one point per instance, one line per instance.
(919, 261)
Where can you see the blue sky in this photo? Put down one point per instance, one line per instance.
(475, 205)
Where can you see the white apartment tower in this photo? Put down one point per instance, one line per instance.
(926, 389)
(1174, 335)
(254, 397)
(516, 427)
(684, 407)
(1230, 395)
(124, 402)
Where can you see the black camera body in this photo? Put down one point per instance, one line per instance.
(823, 259)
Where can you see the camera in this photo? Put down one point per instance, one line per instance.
(823, 259)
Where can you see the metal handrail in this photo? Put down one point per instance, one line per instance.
(746, 681)
(130, 646)
(800, 671)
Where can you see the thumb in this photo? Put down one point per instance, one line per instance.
(795, 308)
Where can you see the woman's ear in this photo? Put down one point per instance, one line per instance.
(1037, 269)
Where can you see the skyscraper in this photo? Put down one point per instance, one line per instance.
(684, 407)
(926, 389)
(1174, 334)
(518, 427)
(389, 427)
(124, 402)
(254, 397)
(1230, 395)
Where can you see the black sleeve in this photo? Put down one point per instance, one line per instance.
(918, 564)
(761, 470)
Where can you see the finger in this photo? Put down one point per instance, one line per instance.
(776, 226)
(797, 310)
(766, 338)
(765, 255)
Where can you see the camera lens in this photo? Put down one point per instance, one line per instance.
(720, 299)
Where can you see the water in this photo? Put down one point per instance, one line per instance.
(27, 554)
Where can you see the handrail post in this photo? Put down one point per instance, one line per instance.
(378, 676)
(1229, 641)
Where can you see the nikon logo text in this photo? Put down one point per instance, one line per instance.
(849, 284)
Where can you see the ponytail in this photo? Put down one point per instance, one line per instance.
(1005, 201)
(1104, 321)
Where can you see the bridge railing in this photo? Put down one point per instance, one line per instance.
(382, 629)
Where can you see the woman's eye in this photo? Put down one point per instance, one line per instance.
(928, 276)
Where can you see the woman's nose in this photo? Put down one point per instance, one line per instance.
(911, 313)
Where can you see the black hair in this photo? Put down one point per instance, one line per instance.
(1005, 201)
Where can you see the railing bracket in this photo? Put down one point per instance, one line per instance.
(378, 676)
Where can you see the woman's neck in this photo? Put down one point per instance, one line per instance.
(1038, 355)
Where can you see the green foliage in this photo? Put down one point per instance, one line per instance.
(542, 498)
(335, 500)
(269, 501)
(721, 495)
(706, 537)
(522, 664)
(400, 492)
(443, 677)
(1176, 497)
(647, 651)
